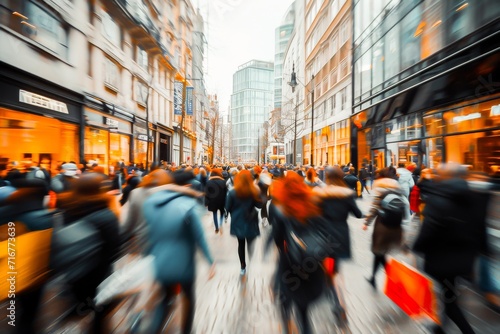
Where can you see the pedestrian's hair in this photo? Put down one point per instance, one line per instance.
(157, 177)
(335, 176)
(311, 174)
(244, 185)
(294, 197)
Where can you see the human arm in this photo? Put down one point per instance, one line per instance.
(196, 227)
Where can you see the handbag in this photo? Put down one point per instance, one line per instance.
(412, 291)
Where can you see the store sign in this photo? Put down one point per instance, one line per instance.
(163, 141)
(178, 86)
(112, 123)
(142, 137)
(42, 101)
(189, 101)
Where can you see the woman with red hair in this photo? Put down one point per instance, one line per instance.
(241, 203)
(294, 212)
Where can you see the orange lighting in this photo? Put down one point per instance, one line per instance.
(438, 22)
(465, 5)
(420, 29)
(28, 24)
(20, 15)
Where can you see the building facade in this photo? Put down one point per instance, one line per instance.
(425, 83)
(92, 81)
(251, 102)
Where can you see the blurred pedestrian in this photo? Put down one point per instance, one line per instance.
(241, 203)
(336, 202)
(294, 209)
(65, 180)
(351, 180)
(215, 196)
(90, 198)
(175, 230)
(384, 237)
(453, 234)
(405, 179)
(312, 179)
(364, 177)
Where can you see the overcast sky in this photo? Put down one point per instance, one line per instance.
(237, 32)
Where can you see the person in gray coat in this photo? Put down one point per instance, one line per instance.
(241, 203)
(175, 231)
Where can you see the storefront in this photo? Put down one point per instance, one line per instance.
(164, 146)
(466, 132)
(39, 122)
(141, 142)
(107, 139)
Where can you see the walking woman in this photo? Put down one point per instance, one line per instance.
(384, 238)
(241, 203)
(336, 202)
(215, 196)
(293, 208)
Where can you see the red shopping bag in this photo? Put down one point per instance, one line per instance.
(411, 291)
(329, 264)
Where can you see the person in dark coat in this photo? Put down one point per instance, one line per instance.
(215, 196)
(452, 235)
(364, 177)
(351, 180)
(241, 203)
(293, 206)
(336, 202)
(89, 197)
(384, 238)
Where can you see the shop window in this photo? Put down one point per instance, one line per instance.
(434, 149)
(96, 146)
(38, 139)
(119, 148)
(433, 125)
(466, 119)
(406, 152)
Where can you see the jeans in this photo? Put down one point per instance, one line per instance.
(215, 218)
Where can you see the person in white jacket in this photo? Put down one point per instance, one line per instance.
(405, 179)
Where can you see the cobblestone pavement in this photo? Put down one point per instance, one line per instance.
(230, 303)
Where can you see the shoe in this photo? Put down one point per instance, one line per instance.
(341, 316)
(372, 282)
(225, 219)
(243, 272)
(216, 230)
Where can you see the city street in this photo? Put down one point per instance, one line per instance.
(231, 304)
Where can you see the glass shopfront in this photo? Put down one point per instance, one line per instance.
(37, 139)
(96, 146)
(467, 133)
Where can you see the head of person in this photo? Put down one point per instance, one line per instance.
(294, 197)
(451, 170)
(182, 177)
(216, 172)
(69, 169)
(311, 174)
(335, 176)
(388, 172)
(352, 171)
(156, 178)
(244, 185)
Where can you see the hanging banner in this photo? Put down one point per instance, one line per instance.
(178, 97)
(189, 101)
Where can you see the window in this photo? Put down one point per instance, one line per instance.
(110, 29)
(378, 63)
(44, 27)
(111, 74)
(411, 33)
(343, 97)
(344, 32)
(343, 69)
(334, 45)
(141, 92)
(142, 58)
(333, 77)
(391, 54)
(366, 79)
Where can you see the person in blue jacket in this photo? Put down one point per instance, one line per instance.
(175, 231)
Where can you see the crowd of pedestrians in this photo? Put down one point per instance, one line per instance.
(307, 209)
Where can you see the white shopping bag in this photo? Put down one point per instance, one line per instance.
(129, 277)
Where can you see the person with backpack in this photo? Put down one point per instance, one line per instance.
(64, 181)
(89, 204)
(175, 231)
(405, 179)
(389, 209)
(300, 234)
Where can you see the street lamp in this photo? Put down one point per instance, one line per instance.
(293, 83)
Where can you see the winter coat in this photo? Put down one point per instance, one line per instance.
(244, 217)
(303, 284)
(215, 193)
(175, 230)
(454, 229)
(405, 180)
(336, 204)
(384, 238)
(363, 174)
(352, 181)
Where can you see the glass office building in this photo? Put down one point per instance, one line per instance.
(251, 101)
(425, 83)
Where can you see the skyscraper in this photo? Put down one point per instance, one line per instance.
(251, 101)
